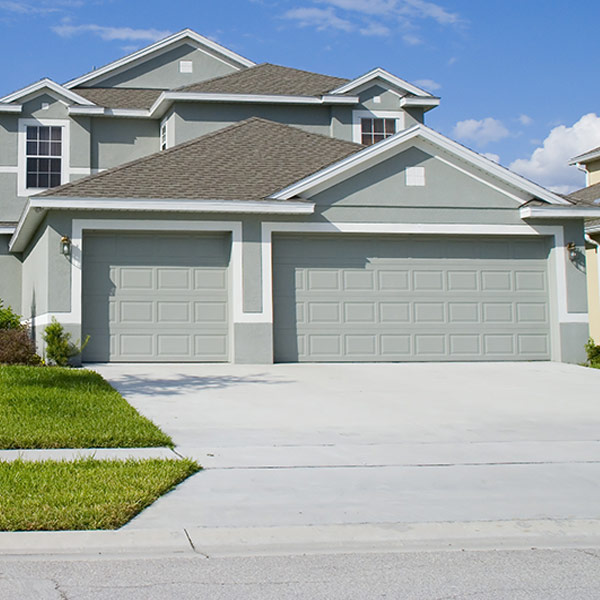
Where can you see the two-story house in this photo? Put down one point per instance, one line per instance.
(186, 204)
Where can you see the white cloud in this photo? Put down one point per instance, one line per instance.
(411, 39)
(368, 7)
(492, 156)
(373, 17)
(548, 164)
(40, 8)
(481, 131)
(112, 33)
(375, 29)
(525, 120)
(319, 18)
(424, 10)
(428, 84)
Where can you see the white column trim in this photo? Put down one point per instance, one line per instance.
(234, 227)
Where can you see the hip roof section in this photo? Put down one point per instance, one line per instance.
(250, 160)
(268, 79)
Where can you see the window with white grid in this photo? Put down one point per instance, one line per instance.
(44, 148)
(374, 130)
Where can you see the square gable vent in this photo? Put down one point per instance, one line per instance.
(186, 66)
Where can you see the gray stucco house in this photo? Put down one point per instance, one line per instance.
(186, 204)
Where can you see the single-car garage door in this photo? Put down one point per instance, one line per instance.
(156, 297)
(402, 298)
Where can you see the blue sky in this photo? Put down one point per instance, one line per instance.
(516, 78)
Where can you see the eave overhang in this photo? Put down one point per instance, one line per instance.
(559, 212)
(37, 208)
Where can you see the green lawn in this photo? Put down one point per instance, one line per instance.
(52, 407)
(83, 494)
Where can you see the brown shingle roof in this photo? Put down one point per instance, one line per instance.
(247, 161)
(120, 97)
(269, 79)
(586, 195)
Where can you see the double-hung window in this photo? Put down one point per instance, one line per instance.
(43, 156)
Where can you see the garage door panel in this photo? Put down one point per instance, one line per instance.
(490, 303)
(156, 298)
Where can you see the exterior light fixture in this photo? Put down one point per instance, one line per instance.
(65, 245)
(572, 251)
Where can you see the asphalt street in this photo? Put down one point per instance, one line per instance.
(448, 575)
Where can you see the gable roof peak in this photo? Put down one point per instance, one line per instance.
(46, 84)
(160, 47)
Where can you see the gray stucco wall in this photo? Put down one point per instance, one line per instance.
(162, 71)
(193, 120)
(117, 141)
(10, 276)
(381, 195)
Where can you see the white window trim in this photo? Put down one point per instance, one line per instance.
(22, 190)
(357, 115)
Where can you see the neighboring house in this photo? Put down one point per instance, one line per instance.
(185, 204)
(590, 196)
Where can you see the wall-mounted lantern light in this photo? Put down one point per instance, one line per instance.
(572, 251)
(65, 245)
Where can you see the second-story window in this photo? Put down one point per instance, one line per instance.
(163, 136)
(44, 156)
(374, 130)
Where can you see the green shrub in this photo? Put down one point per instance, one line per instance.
(17, 348)
(593, 353)
(9, 319)
(59, 347)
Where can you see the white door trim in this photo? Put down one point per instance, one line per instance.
(557, 262)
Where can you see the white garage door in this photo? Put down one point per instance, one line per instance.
(156, 297)
(361, 298)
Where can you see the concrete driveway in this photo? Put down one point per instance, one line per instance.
(373, 443)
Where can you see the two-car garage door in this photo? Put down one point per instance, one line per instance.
(366, 298)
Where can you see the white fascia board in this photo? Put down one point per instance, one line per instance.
(99, 111)
(587, 157)
(11, 108)
(166, 98)
(286, 207)
(379, 73)
(37, 207)
(332, 99)
(7, 230)
(419, 102)
(378, 152)
(47, 84)
(559, 212)
(186, 34)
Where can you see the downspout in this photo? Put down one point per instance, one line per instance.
(597, 244)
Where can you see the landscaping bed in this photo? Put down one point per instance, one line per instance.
(83, 494)
(43, 407)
